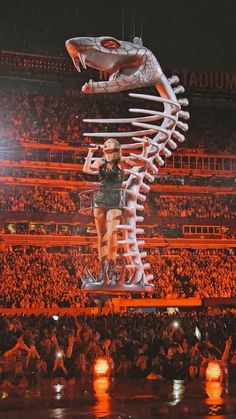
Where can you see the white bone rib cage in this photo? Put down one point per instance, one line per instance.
(163, 138)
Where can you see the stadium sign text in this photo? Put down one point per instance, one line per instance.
(203, 79)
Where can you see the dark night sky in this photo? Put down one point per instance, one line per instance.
(188, 34)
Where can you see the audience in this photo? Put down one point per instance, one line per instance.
(196, 206)
(193, 273)
(50, 119)
(35, 199)
(141, 345)
(46, 200)
(156, 345)
(57, 119)
(33, 277)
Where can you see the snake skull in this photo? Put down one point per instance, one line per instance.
(130, 65)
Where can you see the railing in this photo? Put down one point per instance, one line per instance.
(178, 164)
(120, 305)
(90, 241)
(204, 163)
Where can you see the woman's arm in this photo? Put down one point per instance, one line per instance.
(225, 355)
(89, 167)
(69, 351)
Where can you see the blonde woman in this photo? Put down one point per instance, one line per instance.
(107, 201)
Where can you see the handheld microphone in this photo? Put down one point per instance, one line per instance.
(92, 145)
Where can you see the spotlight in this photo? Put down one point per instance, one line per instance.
(59, 354)
(102, 367)
(214, 371)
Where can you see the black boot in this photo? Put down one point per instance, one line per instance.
(102, 270)
(112, 271)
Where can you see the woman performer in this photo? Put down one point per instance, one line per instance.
(107, 200)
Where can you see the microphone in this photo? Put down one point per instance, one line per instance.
(92, 145)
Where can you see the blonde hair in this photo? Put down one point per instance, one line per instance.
(117, 149)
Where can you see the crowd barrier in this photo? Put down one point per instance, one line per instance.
(122, 305)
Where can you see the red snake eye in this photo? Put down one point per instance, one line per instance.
(110, 44)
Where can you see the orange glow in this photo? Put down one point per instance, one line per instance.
(101, 389)
(101, 367)
(213, 372)
(214, 391)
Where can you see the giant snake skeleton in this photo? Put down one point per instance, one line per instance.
(131, 65)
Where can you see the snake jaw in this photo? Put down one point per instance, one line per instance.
(119, 81)
(129, 66)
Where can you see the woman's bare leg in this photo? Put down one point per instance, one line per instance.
(113, 219)
(101, 227)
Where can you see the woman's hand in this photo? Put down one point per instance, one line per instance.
(89, 167)
(94, 147)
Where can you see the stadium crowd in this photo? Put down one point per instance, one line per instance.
(58, 119)
(199, 273)
(157, 346)
(35, 200)
(62, 173)
(33, 348)
(51, 119)
(197, 206)
(47, 200)
(33, 277)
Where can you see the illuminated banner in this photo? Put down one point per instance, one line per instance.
(207, 80)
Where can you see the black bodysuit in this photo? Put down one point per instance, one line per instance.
(110, 194)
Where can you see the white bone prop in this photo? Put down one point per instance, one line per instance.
(131, 65)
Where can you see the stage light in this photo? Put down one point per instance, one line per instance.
(58, 390)
(176, 323)
(101, 390)
(214, 371)
(178, 392)
(102, 367)
(55, 317)
(198, 333)
(59, 354)
(214, 391)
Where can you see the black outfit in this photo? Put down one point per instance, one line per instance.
(110, 194)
